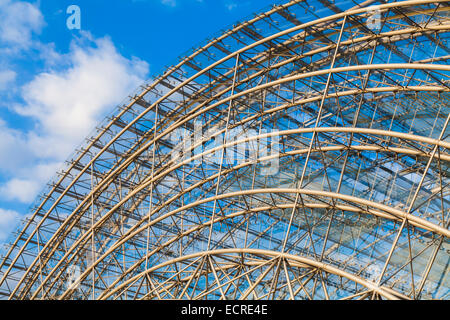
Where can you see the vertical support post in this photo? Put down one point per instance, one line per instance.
(223, 151)
(319, 115)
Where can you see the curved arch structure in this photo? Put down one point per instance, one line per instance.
(303, 154)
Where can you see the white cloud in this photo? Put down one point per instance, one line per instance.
(18, 21)
(170, 3)
(23, 190)
(230, 6)
(26, 169)
(65, 103)
(14, 150)
(29, 180)
(6, 78)
(8, 221)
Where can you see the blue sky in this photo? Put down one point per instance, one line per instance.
(56, 83)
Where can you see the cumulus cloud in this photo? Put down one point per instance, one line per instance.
(19, 20)
(28, 180)
(24, 169)
(231, 5)
(170, 3)
(7, 77)
(8, 221)
(23, 190)
(14, 149)
(65, 103)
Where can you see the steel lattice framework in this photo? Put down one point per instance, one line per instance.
(358, 209)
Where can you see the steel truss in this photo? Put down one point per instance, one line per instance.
(358, 207)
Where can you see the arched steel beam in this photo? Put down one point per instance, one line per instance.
(441, 156)
(356, 91)
(227, 99)
(254, 75)
(372, 39)
(412, 152)
(302, 130)
(394, 212)
(129, 160)
(302, 151)
(303, 26)
(306, 101)
(412, 66)
(319, 265)
(268, 111)
(133, 101)
(224, 218)
(322, 49)
(255, 264)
